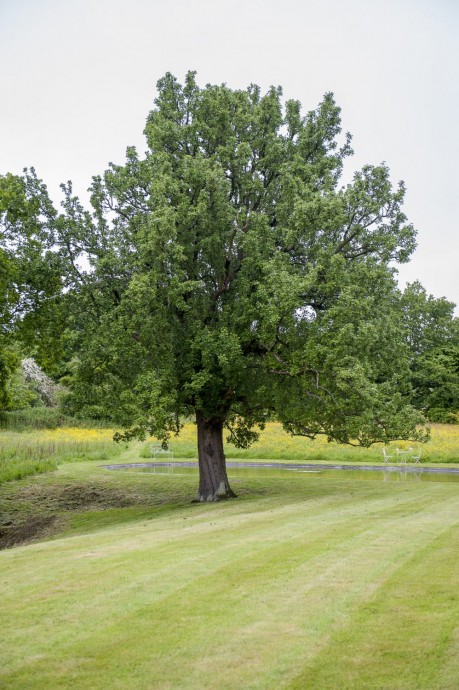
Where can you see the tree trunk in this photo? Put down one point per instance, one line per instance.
(213, 480)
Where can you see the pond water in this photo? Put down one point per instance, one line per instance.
(283, 471)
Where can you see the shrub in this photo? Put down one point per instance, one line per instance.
(438, 415)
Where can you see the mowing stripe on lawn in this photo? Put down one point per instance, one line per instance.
(250, 593)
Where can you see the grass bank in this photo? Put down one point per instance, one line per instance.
(302, 582)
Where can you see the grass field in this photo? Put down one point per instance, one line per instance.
(302, 582)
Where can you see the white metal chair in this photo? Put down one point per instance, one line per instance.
(386, 456)
(416, 456)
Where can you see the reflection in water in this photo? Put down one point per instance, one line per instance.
(413, 475)
(394, 474)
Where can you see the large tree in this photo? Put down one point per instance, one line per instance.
(228, 276)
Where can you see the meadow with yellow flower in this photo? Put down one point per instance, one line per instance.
(32, 452)
(275, 444)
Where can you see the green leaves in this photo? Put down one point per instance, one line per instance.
(9, 362)
(432, 333)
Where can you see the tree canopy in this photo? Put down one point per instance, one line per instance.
(229, 275)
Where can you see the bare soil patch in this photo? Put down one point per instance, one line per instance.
(35, 511)
(14, 533)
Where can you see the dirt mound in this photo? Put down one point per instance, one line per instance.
(78, 496)
(38, 510)
(14, 533)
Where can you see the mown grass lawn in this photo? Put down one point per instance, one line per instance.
(302, 582)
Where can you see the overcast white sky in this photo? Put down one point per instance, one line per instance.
(77, 79)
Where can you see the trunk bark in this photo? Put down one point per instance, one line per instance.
(213, 480)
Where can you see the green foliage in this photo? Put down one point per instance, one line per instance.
(9, 362)
(18, 394)
(438, 415)
(27, 218)
(30, 281)
(21, 394)
(34, 418)
(429, 321)
(433, 337)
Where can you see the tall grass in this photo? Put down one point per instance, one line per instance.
(43, 418)
(275, 444)
(26, 453)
